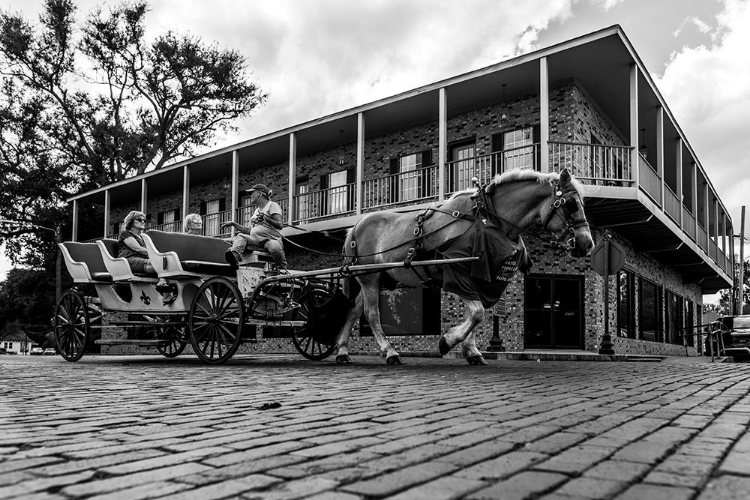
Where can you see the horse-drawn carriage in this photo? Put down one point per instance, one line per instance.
(216, 307)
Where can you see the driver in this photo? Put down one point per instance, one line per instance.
(265, 225)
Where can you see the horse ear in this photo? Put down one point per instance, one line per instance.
(564, 177)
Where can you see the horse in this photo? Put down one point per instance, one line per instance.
(513, 202)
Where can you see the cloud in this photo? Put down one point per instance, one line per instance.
(607, 4)
(694, 21)
(708, 90)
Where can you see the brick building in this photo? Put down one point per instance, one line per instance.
(587, 104)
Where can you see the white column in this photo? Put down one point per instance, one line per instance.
(107, 207)
(634, 119)
(292, 177)
(678, 168)
(660, 152)
(185, 191)
(235, 184)
(360, 180)
(544, 115)
(442, 142)
(74, 236)
(144, 196)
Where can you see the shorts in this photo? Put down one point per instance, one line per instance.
(138, 264)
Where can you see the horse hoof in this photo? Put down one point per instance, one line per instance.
(477, 360)
(394, 360)
(444, 347)
(343, 359)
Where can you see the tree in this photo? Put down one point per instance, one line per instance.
(83, 108)
(726, 297)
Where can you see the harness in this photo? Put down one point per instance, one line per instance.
(564, 205)
(564, 208)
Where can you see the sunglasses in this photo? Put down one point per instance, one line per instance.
(140, 219)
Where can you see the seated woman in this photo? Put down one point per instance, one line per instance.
(131, 246)
(193, 224)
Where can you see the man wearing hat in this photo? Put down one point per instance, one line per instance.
(265, 225)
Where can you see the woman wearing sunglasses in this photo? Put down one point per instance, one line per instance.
(131, 246)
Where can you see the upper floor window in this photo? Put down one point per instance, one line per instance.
(168, 220)
(213, 213)
(409, 178)
(303, 201)
(338, 197)
(517, 149)
(462, 166)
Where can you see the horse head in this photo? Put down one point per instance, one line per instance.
(563, 215)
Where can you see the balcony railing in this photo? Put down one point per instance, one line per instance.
(406, 187)
(649, 180)
(169, 227)
(671, 204)
(244, 214)
(212, 223)
(593, 163)
(688, 223)
(459, 173)
(329, 202)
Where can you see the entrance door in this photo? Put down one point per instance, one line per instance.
(553, 316)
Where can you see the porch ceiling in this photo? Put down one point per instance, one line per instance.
(634, 221)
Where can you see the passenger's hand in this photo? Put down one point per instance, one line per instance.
(228, 224)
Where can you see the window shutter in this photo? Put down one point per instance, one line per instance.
(177, 214)
(393, 182)
(203, 208)
(426, 158)
(497, 142)
(351, 178)
(536, 136)
(323, 182)
(222, 204)
(160, 218)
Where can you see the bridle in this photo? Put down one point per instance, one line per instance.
(565, 208)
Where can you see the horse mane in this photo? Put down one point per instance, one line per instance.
(524, 174)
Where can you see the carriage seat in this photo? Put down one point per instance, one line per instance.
(175, 255)
(119, 267)
(84, 262)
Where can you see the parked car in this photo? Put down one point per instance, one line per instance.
(36, 351)
(50, 351)
(736, 336)
(3, 350)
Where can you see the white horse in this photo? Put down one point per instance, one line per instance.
(511, 203)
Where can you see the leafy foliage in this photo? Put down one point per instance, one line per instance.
(84, 106)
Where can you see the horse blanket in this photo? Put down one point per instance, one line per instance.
(499, 259)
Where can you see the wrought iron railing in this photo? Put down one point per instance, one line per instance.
(595, 164)
(169, 227)
(405, 187)
(212, 223)
(459, 173)
(329, 202)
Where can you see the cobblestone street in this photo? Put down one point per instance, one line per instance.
(285, 428)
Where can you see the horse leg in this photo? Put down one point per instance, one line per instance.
(342, 344)
(371, 295)
(460, 332)
(470, 351)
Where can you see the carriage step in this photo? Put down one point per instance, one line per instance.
(272, 322)
(139, 343)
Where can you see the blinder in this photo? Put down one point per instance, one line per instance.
(565, 208)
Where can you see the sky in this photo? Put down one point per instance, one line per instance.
(317, 57)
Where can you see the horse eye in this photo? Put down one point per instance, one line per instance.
(571, 205)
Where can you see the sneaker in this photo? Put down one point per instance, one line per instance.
(162, 286)
(232, 258)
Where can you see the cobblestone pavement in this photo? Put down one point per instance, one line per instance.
(285, 428)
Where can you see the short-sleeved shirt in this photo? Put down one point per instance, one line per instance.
(125, 251)
(264, 230)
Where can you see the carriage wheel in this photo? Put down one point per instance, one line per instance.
(215, 320)
(175, 335)
(71, 325)
(307, 339)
